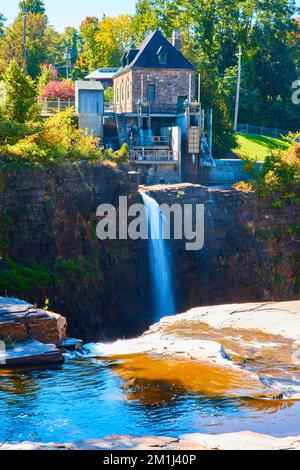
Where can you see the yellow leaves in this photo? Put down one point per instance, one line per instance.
(272, 180)
(112, 37)
(244, 186)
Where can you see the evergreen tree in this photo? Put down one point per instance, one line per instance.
(32, 6)
(19, 93)
(2, 23)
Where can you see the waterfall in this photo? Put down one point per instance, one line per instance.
(160, 265)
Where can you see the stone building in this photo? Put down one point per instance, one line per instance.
(156, 75)
(154, 109)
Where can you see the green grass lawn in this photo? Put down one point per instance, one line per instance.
(258, 146)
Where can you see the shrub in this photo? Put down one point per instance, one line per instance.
(55, 139)
(17, 277)
(56, 89)
(122, 155)
(244, 186)
(12, 131)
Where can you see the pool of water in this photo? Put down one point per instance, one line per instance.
(89, 398)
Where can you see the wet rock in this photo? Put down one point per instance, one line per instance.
(71, 344)
(30, 353)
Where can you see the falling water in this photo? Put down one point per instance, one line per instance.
(160, 265)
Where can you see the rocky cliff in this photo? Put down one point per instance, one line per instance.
(251, 250)
(50, 254)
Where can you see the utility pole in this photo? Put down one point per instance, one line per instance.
(199, 88)
(237, 104)
(25, 38)
(67, 57)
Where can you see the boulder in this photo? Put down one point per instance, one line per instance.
(21, 321)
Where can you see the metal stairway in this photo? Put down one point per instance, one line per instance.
(206, 158)
(121, 128)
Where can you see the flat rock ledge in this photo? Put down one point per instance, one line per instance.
(233, 441)
(22, 321)
(28, 335)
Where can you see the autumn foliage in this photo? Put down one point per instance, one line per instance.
(58, 89)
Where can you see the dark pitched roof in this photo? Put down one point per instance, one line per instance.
(147, 55)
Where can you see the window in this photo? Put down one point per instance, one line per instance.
(163, 58)
(151, 92)
(117, 94)
(128, 91)
(122, 92)
(162, 55)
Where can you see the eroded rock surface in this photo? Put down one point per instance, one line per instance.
(251, 349)
(232, 441)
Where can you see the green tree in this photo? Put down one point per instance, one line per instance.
(2, 23)
(104, 42)
(19, 93)
(32, 6)
(87, 60)
(42, 44)
(70, 41)
(113, 37)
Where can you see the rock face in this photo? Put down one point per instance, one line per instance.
(21, 321)
(251, 250)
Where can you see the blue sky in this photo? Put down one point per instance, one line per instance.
(63, 13)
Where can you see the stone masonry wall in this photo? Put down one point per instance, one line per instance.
(169, 83)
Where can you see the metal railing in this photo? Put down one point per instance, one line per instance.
(153, 156)
(260, 130)
(145, 109)
(50, 107)
(152, 141)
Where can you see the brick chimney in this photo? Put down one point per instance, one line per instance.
(176, 39)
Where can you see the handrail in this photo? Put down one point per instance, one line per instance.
(53, 106)
(153, 156)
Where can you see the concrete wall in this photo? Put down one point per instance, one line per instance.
(91, 122)
(226, 172)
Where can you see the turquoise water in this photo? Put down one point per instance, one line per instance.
(87, 399)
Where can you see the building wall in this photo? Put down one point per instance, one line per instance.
(123, 93)
(169, 84)
(90, 101)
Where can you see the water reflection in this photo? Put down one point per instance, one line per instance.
(136, 395)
